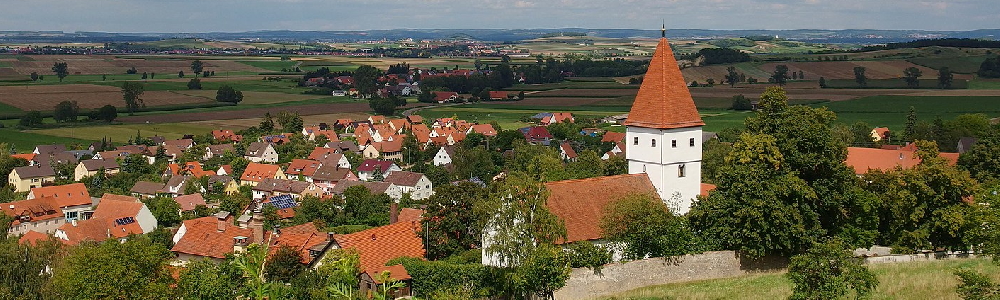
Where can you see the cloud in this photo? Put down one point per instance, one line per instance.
(524, 4)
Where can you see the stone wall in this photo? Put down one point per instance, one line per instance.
(620, 277)
(917, 257)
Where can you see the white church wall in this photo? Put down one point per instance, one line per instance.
(674, 148)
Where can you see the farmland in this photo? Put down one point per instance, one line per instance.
(45, 97)
(87, 64)
(913, 280)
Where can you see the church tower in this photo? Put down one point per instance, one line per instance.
(663, 135)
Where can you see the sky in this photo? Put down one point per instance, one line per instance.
(249, 15)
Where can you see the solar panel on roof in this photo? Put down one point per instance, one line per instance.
(283, 202)
(124, 221)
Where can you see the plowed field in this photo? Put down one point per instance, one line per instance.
(87, 64)
(45, 97)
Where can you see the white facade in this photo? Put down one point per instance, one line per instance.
(423, 189)
(442, 158)
(672, 160)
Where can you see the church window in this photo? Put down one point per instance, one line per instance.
(673, 143)
(691, 141)
(680, 171)
(654, 143)
(635, 141)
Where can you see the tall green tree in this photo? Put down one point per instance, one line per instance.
(732, 77)
(194, 84)
(365, 78)
(197, 67)
(284, 264)
(646, 227)
(828, 271)
(519, 220)
(452, 223)
(25, 265)
(227, 93)
(31, 119)
(945, 78)
(290, 121)
(66, 111)
(135, 269)
(132, 94)
(205, 279)
(912, 77)
(859, 76)
(780, 75)
(61, 69)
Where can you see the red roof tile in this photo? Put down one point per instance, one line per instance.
(189, 202)
(33, 210)
(396, 272)
(706, 188)
(202, 237)
(863, 159)
(613, 137)
(379, 245)
(664, 101)
(580, 203)
(410, 215)
(33, 237)
(66, 195)
(258, 172)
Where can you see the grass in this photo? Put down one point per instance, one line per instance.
(891, 110)
(241, 85)
(26, 141)
(571, 85)
(962, 64)
(123, 132)
(984, 84)
(273, 65)
(7, 109)
(915, 280)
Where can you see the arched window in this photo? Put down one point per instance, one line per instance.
(680, 171)
(635, 141)
(654, 143)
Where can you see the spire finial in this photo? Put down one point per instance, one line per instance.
(663, 30)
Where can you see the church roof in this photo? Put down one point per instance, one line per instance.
(664, 101)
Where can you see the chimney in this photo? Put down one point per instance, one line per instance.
(257, 226)
(393, 213)
(239, 244)
(329, 236)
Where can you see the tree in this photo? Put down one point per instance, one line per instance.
(26, 266)
(251, 264)
(284, 264)
(180, 74)
(132, 94)
(66, 111)
(945, 78)
(363, 207)
(732, 77)
(197, 67)
(145, 75)
(61, 70)
(741, 102)
(31, 119)
(859, 77)
(204, 279)
(822, 82)
(519, 220)
(828, 271)
(382, 106)
(544, 271)
(911, 125)
(976, 286)
(451, 221)
(365, 78)
(912, 77)
(135, 269)
(194, 84)
(290, 121)
(780, 75)
(645, 226)
(227, 93)
(862, 133)
(990, 68)
(34, 76)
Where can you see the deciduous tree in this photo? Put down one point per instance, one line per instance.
(227, 93)
(61, 70)
(132, 94)
(646, 227)
(197, 67)
(912, 77)
(66, 111)
(828, 271)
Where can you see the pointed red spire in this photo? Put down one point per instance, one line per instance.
(664, 101)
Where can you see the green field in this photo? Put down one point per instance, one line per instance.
(241, 85)
(26, 141)
(984, 84)
(891, 111)
(961, 64)
(273, 65)
(914, 280)
(7, 109)
(122, 132)
(892, 84)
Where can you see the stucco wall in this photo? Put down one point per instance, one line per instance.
(620, 277)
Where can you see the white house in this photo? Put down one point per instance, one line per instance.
(444, 155)
(261, 152)
(416, 184)
(368, 168)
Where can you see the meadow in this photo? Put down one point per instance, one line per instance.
(913, 280)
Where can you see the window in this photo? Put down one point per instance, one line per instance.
(635, 141)
(654, 143)
(680, 171)
(691, 141)
(673, 143)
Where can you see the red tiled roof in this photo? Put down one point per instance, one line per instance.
(102, 224)
(498, 95)
(580, 203)
(396, 272)
(26, 156)
(863, 159)
(443, 96)
(304, 167)
(389, 147)
(65, 195)
(664, 101)
(369, 165)
(33, 237)
(613, 137)
(202, 237)
(881, 131)
(566, 148)
(484, 129)
(300, 237)
(404, 178)
(706, 188)
(189, 202)
(410, 215)
(38, 209)
(379, 245)
(257, 172)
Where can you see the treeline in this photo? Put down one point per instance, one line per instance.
(948, 42)
(716, 56)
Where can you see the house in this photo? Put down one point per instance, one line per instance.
(23, 179)
(218, 150)
(261, 152)
(338, 93)
(566, 152)
(176, 185)
(213, 237)
(115, 217)
(536, 135)
(73, 199)
(965, 144)
(305, 239)
(879, 134)
(557, 118)
(374, 187)
(414, 119)
(190, 202)
(228, 185)
(444, 155)
(191, 168)
(224, 170)
(330, 156)
(372, 280)
(416, 184)
(327, 176)
(375, 120)
(146, 189)
(344, 146)
(255, 173)
(617, 150)
(91, 167)
(49, 149)
(270, 187)
(39, 214)
(442, 97)
(226, 136)
(181, 143)
(368, 168)
(499, 95)
(865, 159)
(386, 150)
(278, 139)
(302, 168)
(591, 132)
(613, 137)
(379, 245)
(484, 129)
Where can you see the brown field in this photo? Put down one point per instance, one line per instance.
(587, 93)
(90, 64)
(236, 124)
(45, 97)
(554, 101)
(303, 110)
(250, 97)
(718, 73)
(845, 69)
